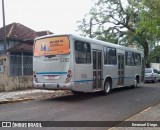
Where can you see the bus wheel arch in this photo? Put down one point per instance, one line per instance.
(107, 85)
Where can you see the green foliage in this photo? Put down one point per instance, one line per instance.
(154, 56)
(132, 22)
(150, 18)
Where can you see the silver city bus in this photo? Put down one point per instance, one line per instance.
(80, 64)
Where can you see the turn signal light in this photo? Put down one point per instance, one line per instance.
(69, 74)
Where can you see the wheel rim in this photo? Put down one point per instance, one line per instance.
(107, 87)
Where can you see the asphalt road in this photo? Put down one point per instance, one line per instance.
(120, 105)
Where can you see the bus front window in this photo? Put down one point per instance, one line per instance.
(52, 46)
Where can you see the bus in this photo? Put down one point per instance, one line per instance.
(80, 64)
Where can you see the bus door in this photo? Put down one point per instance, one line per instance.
(120, 69)
(97, 69)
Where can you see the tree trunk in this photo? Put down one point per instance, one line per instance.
(146, 52)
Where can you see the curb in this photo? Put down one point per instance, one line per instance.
(14, 100)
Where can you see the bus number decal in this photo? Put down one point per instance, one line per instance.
(64, 59)
(83, 76)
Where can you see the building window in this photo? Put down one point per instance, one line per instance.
(82, 52)
(21, 64)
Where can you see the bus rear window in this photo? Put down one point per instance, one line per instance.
(52, 46)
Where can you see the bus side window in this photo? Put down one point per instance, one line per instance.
(82, 52)
(137, 59)
(129, 58)
(105, 55)
(112, 58)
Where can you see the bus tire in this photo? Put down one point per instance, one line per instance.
(76, 92)
(107, 87)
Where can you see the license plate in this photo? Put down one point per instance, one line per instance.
(49, 77)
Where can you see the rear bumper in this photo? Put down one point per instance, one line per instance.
(53, 86)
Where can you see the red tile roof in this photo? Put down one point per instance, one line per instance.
(19, 31)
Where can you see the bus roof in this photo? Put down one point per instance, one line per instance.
(91, 40)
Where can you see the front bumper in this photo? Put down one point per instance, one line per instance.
(149, 78)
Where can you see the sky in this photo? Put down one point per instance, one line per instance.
(57, 16)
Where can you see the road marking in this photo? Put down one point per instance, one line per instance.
(138, 114)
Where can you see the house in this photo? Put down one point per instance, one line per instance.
(16, 65)
(17, 34)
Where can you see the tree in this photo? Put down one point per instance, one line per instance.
(112, 19)
(150, 17)
(154, 56)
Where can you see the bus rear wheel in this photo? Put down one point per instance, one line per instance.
(76, 92)
(107, 87)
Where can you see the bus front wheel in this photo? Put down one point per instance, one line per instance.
(107, 87)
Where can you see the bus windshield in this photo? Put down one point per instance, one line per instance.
(52, 46)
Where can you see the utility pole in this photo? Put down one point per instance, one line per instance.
(4, 27)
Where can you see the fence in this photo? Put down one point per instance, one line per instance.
(21, 65)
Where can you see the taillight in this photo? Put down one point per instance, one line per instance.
(34, 74)
(69, 75)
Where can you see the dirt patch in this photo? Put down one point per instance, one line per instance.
(44, 95)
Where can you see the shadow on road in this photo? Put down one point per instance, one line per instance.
(74, 98)
(123, 89)
(85, 96)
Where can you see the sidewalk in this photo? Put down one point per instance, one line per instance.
(150, 114)
(150, 117)
(31, 94)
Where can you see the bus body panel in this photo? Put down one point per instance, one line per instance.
(129, 76)
(54, 75)
(51, 72)
(109, 73)
(55, 71)
(137, 72)
(83, 79)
